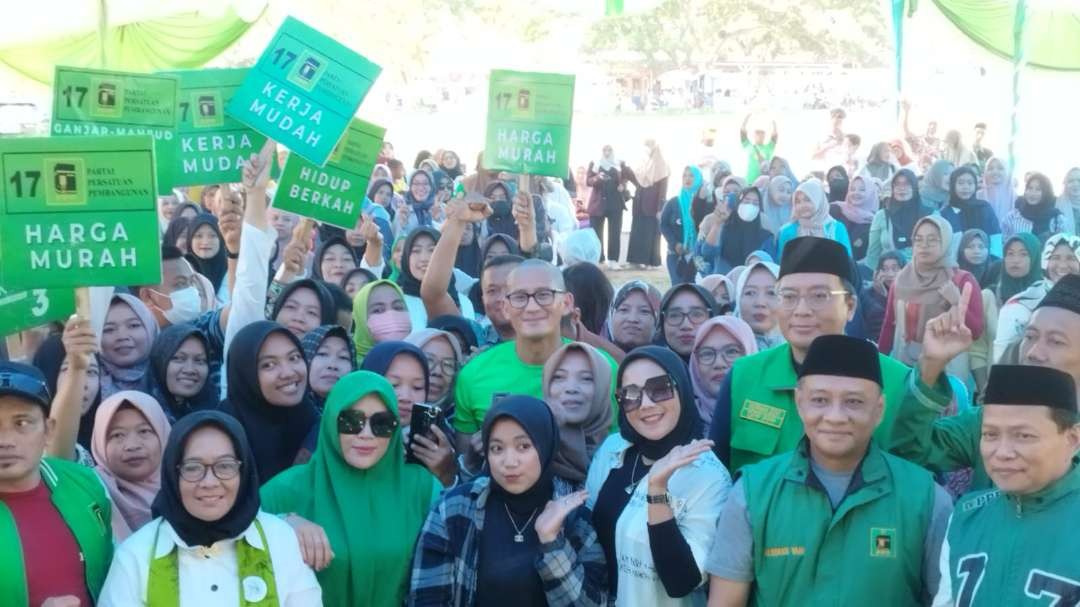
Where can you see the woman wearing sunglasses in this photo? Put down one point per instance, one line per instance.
(655, 492)
(515, 535)
(211, 544)
(357, 506)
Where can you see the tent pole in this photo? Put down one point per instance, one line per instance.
(1019, 59)
(103, 30)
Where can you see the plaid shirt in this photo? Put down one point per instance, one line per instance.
(572, 568)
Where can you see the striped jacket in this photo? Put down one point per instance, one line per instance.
(572, 568)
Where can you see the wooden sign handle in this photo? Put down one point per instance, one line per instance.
(14, 346)
(82, 302)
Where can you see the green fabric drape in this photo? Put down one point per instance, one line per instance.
(1052, 31)
(182, 41)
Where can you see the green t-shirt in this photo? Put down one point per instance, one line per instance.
(756, 156)
(493, 374)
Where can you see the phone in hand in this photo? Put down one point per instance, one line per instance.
(424, 416)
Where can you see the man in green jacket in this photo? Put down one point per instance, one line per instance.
(755, 415)
(945, 444)
(837, 521)
(1013, 545)
(54, 515)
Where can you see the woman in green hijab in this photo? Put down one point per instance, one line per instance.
(379, 314)
(357, 506)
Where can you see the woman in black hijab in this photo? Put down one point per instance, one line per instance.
(344, 260)
(209, 260)
(179, 362)
(522, 511)
(208, 454)
(656, 454)
(683, 310)
(838, 181)
(304, 305)
(469, 256)
(740, 237)
(176, 233)
(267, 393)
(408, 280)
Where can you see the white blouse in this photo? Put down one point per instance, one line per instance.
(210, 576)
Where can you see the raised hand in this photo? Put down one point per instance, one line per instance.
(524, 213)
(256, 173)
(80, 342)
(472, 208)
(436, 455)
(947, 335)
(231, 224)
(677, 458)
(551, 519)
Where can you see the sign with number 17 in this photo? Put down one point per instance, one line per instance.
(304, 90)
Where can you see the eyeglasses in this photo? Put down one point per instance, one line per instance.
(224, 469)
(382, 423)
(729, 354)
(920, 241)
(674, 318)
(658, 389)
(816, 299)
(449, 366)
(543, 297)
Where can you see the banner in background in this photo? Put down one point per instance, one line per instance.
(78, 212)
(528, 123)
(304, 90)
(99, 102)
(210, 146)
(336, 193)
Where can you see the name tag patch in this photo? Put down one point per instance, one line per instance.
(785, 551)
(882, 542)
(762, 413)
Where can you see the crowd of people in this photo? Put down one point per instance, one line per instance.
(452, 403)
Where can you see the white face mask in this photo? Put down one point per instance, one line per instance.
(748, 211)
(186, 306)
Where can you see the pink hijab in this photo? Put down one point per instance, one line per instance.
(861, 211)
(737, 328)
(131, 500)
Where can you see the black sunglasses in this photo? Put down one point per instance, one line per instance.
(658, 389)
(383, 423)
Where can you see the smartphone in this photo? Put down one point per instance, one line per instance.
(511, 188)
(424, 416)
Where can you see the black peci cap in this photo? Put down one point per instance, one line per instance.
(811, 254)
(842, 356)
(1030, 385)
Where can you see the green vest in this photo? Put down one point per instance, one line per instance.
(764, 419)
(256, 574)
(81, 500)
(1016, 551)
(869, 551)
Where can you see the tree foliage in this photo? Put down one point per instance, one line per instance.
(698, 34)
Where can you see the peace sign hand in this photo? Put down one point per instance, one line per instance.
(550, 522)
(947, 335)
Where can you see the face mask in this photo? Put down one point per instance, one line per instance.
(748, 211)
(389, 326)
(500, 208)
(186, 306)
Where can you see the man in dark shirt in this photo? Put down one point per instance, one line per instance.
(875, 296)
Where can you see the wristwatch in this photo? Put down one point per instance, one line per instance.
(658, 499)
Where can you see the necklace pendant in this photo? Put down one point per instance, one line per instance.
(519, 538)
(630, 489)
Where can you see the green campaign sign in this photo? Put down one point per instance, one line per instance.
(100, 102)
(210, 146)
(528, 123)
(28, 309)
(78, 212)
(304, 90)
(335, 193)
